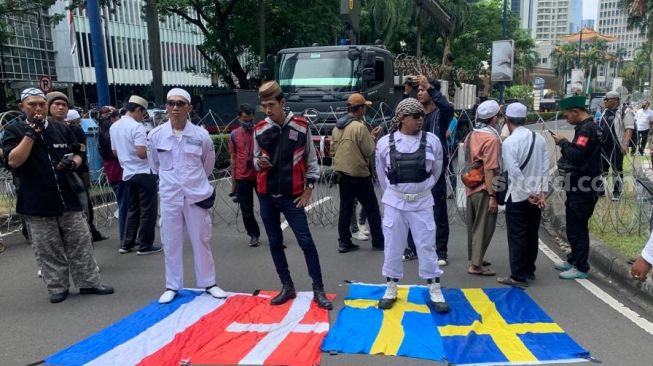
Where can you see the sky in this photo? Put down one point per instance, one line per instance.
(590, 9)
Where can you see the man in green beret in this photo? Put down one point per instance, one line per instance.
(579, 165)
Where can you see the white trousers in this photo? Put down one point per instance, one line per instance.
(395, 230)
(198, 222)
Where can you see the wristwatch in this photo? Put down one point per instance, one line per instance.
(310, 185)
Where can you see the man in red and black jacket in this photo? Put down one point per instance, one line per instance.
(285, 159)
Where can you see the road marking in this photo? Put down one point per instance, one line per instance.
(284, 224)
(646, 325)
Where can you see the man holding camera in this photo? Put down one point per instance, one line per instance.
(352, 148)
(38, 153)
(243, 174)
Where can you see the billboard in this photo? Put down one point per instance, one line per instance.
(502, 60)
(577, 82)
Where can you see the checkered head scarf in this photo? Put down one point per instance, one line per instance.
(407, 106)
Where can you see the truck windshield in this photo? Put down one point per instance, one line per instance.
(317, 71)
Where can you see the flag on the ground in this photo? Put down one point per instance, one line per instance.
(195, 327)
(491, 326)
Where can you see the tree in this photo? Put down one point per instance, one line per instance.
(154, 50)
(641, 16)
(564, 59)
(231, 32)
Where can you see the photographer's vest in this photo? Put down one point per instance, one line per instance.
(408, 167)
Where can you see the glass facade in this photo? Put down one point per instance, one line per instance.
(28, 53)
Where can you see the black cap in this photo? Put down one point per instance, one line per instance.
(245, 108)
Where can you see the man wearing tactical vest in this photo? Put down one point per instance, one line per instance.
(285, 159)
(408, 164)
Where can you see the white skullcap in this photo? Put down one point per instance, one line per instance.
(72, 115)
(138, 100)
(487, 109)
(516, 110)
(31, 92)
(178, 92)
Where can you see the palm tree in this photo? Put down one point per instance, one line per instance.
(564, 58)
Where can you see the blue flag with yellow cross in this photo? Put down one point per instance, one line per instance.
(492, 326)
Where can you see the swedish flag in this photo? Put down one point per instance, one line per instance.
(485, 326)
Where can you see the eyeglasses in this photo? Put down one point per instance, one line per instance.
(176, 103)
(416, 115)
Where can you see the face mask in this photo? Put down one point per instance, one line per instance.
(248, 125)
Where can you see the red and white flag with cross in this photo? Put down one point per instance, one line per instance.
(247, 330)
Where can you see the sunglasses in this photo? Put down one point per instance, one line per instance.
(416, 115)
(176, 103)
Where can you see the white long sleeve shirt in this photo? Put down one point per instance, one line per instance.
(647, 253)
(408, 144)
(535, 176)
(183, 162)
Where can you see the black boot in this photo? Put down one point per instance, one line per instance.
(286, 293)
(320, 298)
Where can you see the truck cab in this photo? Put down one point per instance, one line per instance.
(318, 80)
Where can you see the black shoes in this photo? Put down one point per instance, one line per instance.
(253, 241)
(320, 298)
(97, 236)
(151, 250)
(286, 293)
(97, 290)
(344, 247)
(58, 297)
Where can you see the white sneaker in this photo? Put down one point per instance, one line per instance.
(167, 296)
(97, 268)
(39, 273)
(217, 292)
(360, 236)
(435, 292)
(364, 229)
(391, 290)
(442, 262)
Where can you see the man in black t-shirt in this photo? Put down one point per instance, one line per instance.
(38, 153)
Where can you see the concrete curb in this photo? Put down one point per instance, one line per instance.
(612, 267)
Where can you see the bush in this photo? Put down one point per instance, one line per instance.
(546, 116)
(221, 145)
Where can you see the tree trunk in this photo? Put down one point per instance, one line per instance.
(261, 29)
(154, 50)
(447, 47)
(650, 72)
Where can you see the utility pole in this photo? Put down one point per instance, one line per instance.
(99, 57)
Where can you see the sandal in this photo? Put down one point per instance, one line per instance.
(511, 282)
(482, 272)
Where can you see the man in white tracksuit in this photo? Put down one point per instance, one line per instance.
(408, 163)
(183, 156)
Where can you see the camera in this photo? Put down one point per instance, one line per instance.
(412, 82)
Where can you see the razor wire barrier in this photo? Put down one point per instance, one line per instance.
(630, 215)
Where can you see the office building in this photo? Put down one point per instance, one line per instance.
(588, 23)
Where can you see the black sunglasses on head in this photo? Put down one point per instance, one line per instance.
(176, 103)
(416, 115)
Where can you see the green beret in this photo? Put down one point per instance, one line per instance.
(572, 102)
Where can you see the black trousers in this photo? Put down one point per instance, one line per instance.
(361, 189)
(439, 192)
(639, 142)
(271, 210)
(142, 213)
(245, 190)
(579, 208)
(523, 225)
(612, 158)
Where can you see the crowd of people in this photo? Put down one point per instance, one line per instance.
(167, 170)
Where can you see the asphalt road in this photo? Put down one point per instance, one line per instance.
(31, 328)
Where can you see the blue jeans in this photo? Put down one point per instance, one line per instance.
(271, 210)
(122, 198)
